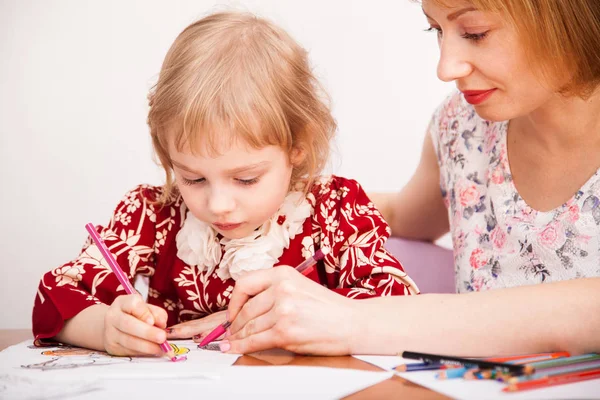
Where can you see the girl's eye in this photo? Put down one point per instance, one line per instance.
(475, 36)
(436, 29)
(247, 181)
(190, 182)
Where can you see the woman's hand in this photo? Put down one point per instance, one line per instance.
(134, 328)
(197, 328)
(280, 308)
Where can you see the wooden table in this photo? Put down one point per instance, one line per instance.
(394, 388)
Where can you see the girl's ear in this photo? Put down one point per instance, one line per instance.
(297, 156)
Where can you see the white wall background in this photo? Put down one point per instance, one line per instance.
(73, 82)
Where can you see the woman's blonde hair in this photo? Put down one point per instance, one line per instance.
(233, 76)
(562, 38)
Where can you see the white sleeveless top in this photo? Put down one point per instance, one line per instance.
(498, 239)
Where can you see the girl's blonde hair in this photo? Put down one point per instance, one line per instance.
(561, 37)
(233, 76)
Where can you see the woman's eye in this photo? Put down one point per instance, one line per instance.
(434, 28)
(475, 36)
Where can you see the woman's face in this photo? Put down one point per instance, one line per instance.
(482, 53)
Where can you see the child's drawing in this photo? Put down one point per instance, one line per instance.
(67, 357)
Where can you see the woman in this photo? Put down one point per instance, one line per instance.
(528, 73)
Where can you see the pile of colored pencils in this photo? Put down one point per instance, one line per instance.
(524, 372)
(557, 371)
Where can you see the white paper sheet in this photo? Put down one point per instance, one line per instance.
(24, 369)
(485, 389)
(241, 383)
(62, 373)
(24, 388)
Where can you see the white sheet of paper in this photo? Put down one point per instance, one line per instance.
(24, 388)
(25, 368)
(236, 383)
(485, 389)
(27, 373)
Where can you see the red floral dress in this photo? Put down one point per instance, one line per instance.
(142, 237)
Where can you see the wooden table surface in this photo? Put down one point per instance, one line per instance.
(394, 388)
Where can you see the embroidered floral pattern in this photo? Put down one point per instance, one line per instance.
(499, 240)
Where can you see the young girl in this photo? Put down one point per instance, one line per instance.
(238, 125)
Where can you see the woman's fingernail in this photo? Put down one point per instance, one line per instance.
(169, 330)
(224, 346)
(196, 337)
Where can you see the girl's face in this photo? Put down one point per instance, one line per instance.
(481, 52)
(235, 192)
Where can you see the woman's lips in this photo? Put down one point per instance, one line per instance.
(477, 96)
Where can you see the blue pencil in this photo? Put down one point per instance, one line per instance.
(418, 367)
(452, 373)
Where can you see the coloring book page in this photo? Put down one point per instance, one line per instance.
(25, 368)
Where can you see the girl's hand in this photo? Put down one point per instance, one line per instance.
(197, 328)
(134, 328)
(280, 308)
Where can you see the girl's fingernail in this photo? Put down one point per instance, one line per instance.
(169, 330)
(196, 337)
(224, 346)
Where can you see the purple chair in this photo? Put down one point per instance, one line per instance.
(429, 265)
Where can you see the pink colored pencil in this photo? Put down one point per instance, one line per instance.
(308, 265)
(129, 289)
(305, 268)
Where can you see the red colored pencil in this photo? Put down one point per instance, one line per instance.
(527, 357)
(553, 381)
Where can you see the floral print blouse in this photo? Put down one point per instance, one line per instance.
(144, 238)
(498, 239)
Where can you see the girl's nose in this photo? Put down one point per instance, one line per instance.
(220, 202)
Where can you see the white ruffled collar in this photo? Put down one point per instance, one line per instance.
(199, 245)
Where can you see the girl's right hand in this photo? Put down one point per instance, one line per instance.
(133, 327)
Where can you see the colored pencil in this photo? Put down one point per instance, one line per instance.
(482, 364)
(567, 369)
(565, 361)
(534, 360)
(452, 373)
(523, 357)
(418, 367)
(123, 280)
(553, 381)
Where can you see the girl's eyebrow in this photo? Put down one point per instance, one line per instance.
(455, 14)
(245, 168)
(183, 167)
(232, 171)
